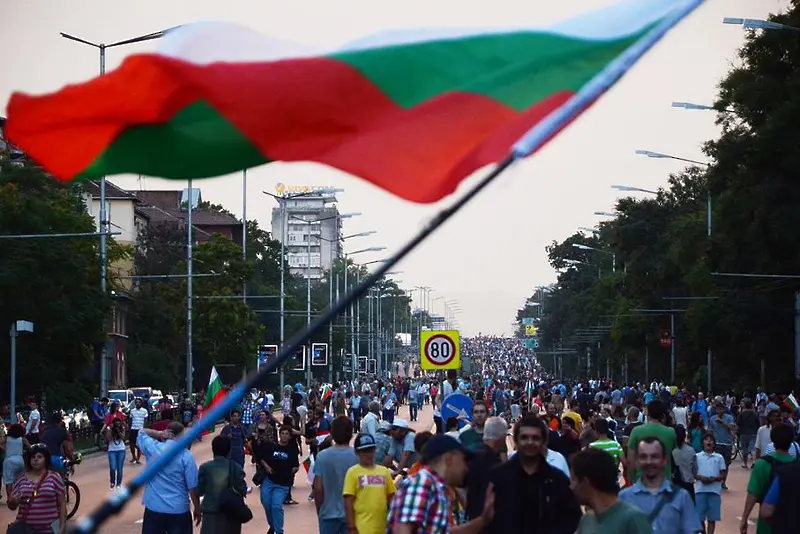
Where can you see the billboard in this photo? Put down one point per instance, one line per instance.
(266, 355)
(319, 354)
(297, 361)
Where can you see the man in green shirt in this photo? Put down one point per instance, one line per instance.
(763, 473)
(594, 483)
(604, 444)
(655, 427)
(472, 437)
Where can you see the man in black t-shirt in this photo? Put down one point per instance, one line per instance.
(277, 464)
(58, 441)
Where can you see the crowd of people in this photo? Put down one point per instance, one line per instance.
(534, 454)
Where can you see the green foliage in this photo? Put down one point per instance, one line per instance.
(226, 331)
(663, 250)
(53, 282)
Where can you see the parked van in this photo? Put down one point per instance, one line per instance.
(124, 397)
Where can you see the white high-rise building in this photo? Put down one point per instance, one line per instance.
(313, 232)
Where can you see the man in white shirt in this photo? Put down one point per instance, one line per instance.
(448, 386)
(34, 421)
(138, 416)
(679, 413)
(369, 425)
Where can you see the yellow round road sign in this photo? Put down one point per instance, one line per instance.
(439, 349)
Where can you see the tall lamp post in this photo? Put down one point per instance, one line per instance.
(612, 254)
(759, 24)
(355, 322)
(282, 199)
(383, 360)
(330, 288)
(16, 328)
(309, 224)
(660, 155)
(103, 214)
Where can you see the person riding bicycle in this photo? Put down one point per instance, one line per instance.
(58, 441)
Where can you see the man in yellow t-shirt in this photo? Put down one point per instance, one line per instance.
(367, 491)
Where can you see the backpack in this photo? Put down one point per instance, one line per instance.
(775, 468)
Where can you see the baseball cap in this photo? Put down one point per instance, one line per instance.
(442, 444)
(399, 423)
(365, 442)
(495, 428)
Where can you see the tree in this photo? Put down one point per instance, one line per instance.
(226, 330)
(663, 246)
(53, 282)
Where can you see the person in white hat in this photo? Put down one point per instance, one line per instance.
(401, 454)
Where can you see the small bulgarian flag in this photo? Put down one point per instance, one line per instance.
(791, 403)
(327, 391)
(308, 465)
(214, 393)
(412, 111)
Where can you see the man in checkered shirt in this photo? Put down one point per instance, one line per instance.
(249, 410)
(421, 506)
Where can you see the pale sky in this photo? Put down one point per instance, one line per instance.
(491, 255)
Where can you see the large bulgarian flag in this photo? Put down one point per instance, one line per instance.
(414, 112)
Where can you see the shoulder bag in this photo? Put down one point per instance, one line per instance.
(231, 502)
(666, 498)
(20, 526)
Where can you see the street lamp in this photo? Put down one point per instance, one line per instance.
(330, 289)
(660, 155)
(309, 224)
(605, 214)
(573, 263)
(103, 214)
(355, 322)
(16, 328)
(612, 254)
(631, 189)
(758, 24)
(282, 207)
(587, 229)
(690, 105)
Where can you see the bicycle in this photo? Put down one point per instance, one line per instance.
(73, 492)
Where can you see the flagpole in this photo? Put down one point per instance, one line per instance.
(528, 143)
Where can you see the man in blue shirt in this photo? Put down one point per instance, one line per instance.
(722, 426)
(677, 513)
(701, 406)
(166, 497)
(98, 417)
(236, 432)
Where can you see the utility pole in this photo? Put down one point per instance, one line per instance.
(104, 355)
(189, 248)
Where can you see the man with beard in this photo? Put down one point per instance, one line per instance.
(530, 495)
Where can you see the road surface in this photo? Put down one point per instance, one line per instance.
(92, 478)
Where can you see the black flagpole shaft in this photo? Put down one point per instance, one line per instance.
(116, 503)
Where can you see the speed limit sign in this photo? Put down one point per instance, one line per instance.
(440, 349)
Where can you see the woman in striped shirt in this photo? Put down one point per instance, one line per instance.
(39, 493)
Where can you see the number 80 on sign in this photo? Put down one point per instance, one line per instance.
(440, 349)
